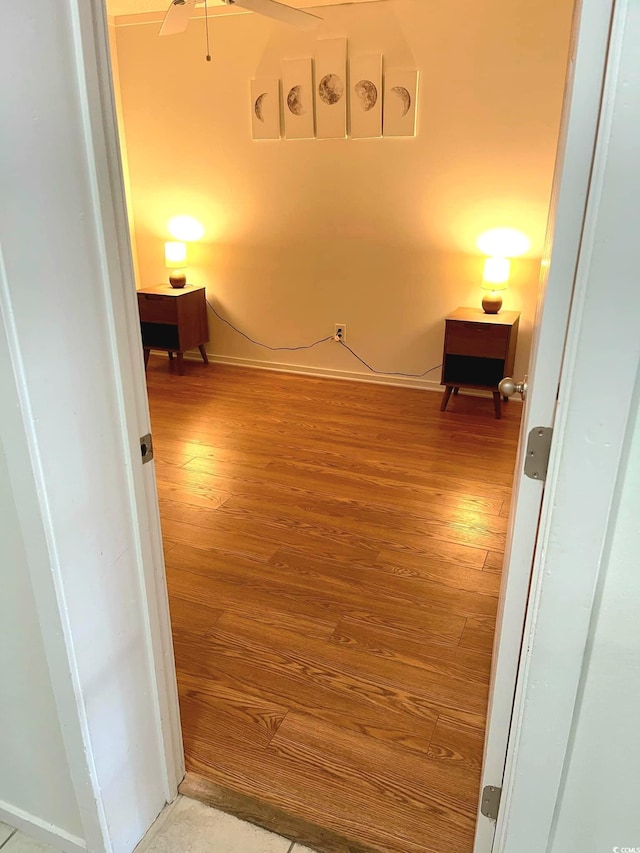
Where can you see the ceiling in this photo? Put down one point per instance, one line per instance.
(136, 7)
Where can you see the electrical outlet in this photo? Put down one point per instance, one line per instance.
(340, 333)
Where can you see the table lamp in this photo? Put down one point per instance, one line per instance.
(495, 278)
(175, 259)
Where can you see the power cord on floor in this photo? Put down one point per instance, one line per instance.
(315, 344)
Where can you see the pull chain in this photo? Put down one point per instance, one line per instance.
(206, 28)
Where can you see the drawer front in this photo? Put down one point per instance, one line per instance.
(155, 308)
(480, 339)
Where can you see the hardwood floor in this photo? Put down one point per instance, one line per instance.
(333, 557)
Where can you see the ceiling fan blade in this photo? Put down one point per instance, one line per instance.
(177, 18)
(280, 12)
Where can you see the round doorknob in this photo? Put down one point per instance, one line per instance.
(508, 386)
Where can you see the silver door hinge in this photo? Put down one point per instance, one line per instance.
(536, 460)
(146, 448)
(490, 802)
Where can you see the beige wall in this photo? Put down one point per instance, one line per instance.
(117, 99)
(377, 234)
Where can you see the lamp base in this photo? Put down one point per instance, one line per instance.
(492, 302)
(177, 279)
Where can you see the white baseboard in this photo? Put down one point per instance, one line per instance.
(322, 372)
(41, 830)
(329, 373)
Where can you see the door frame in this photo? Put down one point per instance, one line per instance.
(102, 130)
(525, 782)
(597, 403)
(586, 69)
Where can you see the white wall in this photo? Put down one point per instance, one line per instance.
(378, 234)
(70, 429)
(34, 772)
(598, 805)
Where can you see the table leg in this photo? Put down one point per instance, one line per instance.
(180, 358)
(147, 353)
(445, 399)
(496, 404)
(170, 356)
(203, 353)
(455, 391)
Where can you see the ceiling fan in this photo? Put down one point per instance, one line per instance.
(179, 14)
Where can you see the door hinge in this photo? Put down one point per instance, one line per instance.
(490, 802)
(536, 460)
(146, 448)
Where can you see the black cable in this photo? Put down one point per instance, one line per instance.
(315, 344)
(266, 346)
(385, 372)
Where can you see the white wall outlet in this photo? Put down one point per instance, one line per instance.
(340, 333)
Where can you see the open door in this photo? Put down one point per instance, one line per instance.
(583, 91)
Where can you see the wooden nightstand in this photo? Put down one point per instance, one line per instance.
(173, 320)
(479, 350)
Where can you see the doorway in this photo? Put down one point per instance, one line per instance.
(461, 555)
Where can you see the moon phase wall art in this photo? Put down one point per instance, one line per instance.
(366, 96)
(297, 92)
(265, 108)
(331, 88)
(378, 106)
(400, 102)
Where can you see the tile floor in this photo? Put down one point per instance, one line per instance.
(186, 826)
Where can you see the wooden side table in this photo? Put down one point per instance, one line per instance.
(479, 351)
(173, 320)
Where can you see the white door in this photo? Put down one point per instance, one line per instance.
(585, 78)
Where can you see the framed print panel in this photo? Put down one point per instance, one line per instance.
(331, 88)
(297, 93)
(365, 76)
(265, 108)
(400, 103)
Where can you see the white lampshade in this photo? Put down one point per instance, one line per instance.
(175, 254)
(495, 275)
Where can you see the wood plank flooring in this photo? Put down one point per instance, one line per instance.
(333, 557)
